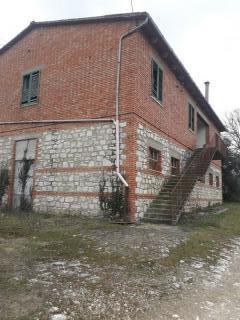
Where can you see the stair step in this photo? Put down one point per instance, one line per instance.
(159, 212)
(152, 220)
(166, 204)
(163, 207)
(158, 216)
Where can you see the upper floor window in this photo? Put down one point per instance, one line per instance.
(154, 159)
(157, 81)
(30, 87)
(191, 117)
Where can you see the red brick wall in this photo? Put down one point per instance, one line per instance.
(78, 78)
(78, 75)
(172, 116)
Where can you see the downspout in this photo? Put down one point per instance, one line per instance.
(119, 63)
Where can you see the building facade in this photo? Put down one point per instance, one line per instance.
(58, 87)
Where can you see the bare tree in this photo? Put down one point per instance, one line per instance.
(232, 124)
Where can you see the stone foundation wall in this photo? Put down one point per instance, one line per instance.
(6, 151)
(69, 165)
(84, 205)
(90, 146)
(147, 138)
(149, 182)
(203, 194)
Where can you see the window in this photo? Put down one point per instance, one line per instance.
(175, 166)
(217, 182)
(154, 159)
(30, 87)
(191, 117)
(210, 179)
(157, 81)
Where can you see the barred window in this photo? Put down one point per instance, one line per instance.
(154, 159)
(210, 179)
(175, 166)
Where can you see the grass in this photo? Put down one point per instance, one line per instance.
(52, 237)
(207, 236)
(27, 240)
(58, 238)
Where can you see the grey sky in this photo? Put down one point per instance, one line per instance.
(205, 34)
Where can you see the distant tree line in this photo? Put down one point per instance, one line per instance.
(231, 165)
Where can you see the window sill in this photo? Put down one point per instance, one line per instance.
(158, 101)
(153, 171)
(28, 104)
(192, 132)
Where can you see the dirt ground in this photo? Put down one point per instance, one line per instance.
(215, 293)
(78, 269)
(61, 268)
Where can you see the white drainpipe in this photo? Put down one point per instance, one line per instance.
(119, 61)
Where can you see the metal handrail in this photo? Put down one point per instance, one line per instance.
(215, 144)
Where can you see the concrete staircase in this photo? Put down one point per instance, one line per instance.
(169, 203)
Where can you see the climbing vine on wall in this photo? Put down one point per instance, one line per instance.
(113, 197)
(23, 176)
(4, 181)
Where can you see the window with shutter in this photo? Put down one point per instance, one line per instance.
(30, 88)
(157, 81)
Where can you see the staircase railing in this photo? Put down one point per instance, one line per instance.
(182, 189)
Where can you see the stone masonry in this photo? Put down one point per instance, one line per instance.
(149, 182)
(69, 166)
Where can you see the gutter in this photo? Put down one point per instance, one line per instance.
(119, 64)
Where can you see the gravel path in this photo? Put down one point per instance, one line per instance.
(215, 296)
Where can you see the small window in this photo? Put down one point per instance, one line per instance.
(154, 159)
(217, 182)
(191, 117)
(175, 166)
(210, 179)
(30, 88)
(157, 81)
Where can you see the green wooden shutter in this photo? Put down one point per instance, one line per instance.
(25, 89)
(160, 83)
(34, 86)
(154, 79)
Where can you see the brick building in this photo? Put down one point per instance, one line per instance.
(80, 95)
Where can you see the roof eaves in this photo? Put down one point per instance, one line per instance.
(18, 37)
(111, 17)
(188, 82)
(33, 24)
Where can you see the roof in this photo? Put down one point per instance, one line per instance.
(157, 39)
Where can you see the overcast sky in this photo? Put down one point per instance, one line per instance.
(205, 34)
